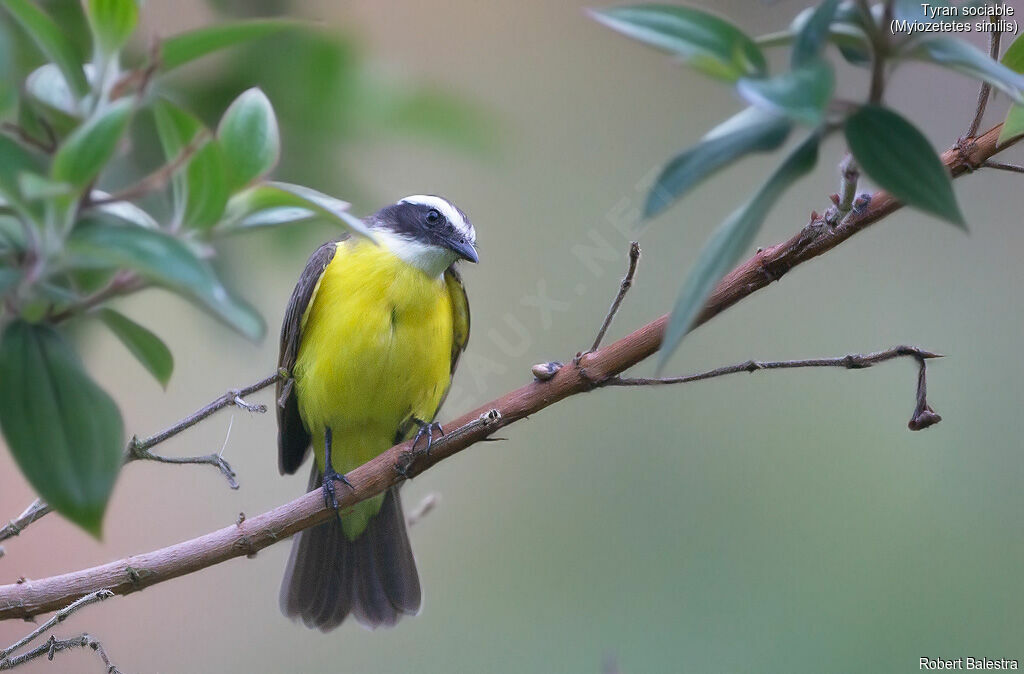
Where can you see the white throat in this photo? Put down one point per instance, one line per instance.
(432, 260)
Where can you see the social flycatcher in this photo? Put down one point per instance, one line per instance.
(371, 338)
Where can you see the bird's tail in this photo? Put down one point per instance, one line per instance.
(372, 577)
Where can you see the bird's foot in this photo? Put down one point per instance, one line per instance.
(328, 488)
(426, 428)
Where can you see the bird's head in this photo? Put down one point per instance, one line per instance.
(426, 231)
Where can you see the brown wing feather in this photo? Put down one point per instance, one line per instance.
(292, 437)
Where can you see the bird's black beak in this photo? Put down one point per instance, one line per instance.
(465, 250)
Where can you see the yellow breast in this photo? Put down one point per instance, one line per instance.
(376, 349)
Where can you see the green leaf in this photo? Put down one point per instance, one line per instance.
(1013, 125)
(86, 151)
(249, 139)
(143, 344)
(50, 39)
(14, 160)
(112, 22)
(958, 55)
(35, 187)
(752, 130)
(901, 160)
(47, 85)
(273, 196)
(801, 93)
(199, 191)
(165, 261)
(125, 210)
(729, 241)
(64, 431)
(813, 35)
(180, 49)
(710, 44)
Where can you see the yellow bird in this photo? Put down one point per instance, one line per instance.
(371, 338)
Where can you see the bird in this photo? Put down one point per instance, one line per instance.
(370, 340)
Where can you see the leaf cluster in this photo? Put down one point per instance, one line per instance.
(884, 144)
(71, 241)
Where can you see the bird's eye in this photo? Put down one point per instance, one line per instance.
(433, 216)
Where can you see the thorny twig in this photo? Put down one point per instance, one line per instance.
(140, 449)
(54, 645)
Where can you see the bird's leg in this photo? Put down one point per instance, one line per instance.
(330, 475)
(426, 428)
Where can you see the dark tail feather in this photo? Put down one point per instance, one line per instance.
(373, 577)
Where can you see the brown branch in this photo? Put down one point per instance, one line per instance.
(21, 600)
(48, 146)
(624, 286)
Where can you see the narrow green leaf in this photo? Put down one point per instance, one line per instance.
(142, 343)
(901, 160)
(1014, 56)
(165, 261)
(112, 22)
(14, 160)
(86, 151)
(705, 41)
(180, 49)
(249, 138)
(801, 93)
(1013, 125)
(51, 41)
(751, 130)
(277, 195)
(729, 241)
(64, 431)
(962, 57)
(811, 39)
(199, 190)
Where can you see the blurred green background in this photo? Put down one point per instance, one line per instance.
(783, 522)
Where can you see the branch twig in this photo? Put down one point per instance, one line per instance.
(21, 600)
(922, 418)
(139, 450)
(54, 645)
(6, 662)
(986, 88)
(624, 286)
(1003, 166)
(155, 180)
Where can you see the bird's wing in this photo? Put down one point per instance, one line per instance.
(460, 321)
(292, 437)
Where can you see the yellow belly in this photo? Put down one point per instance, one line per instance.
(376, 350)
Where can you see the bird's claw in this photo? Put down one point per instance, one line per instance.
(426, 428)
(330, 491)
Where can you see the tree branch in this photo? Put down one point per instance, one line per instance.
(245, 538)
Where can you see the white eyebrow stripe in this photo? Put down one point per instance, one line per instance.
(446, 209)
